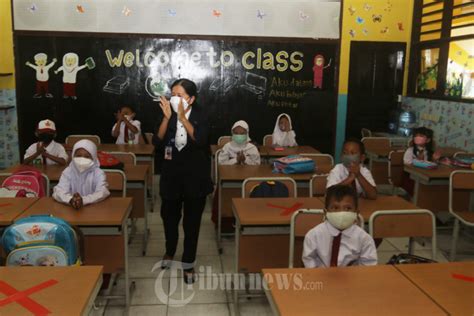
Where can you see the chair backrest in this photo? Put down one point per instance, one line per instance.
(268, 140)
(127, 158)
(324, 162)
(380, 145)
(47, 188)
(463, 154)
(317, 185)
(216, 165)
(395, 167)
(302, 221)
(250, 183)
(72, 139)
(460, 180)
(149, 138)
(221, 141)
(404, 223)
(365, 132)
(117, 181)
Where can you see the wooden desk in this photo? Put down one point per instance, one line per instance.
(269, 151)
(73, 294)
(432, 188)
(104, 225)
(395, 139)
(382, 203)
(11, 208)
(454, 295)
(373, 290)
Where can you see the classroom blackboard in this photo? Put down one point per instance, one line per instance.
(252, 79)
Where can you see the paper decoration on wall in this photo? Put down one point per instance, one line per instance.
(171, 12)
(70, 68)
(400, 26)
(359, 20)
(80, 8)
(367, 7)
(303, 16)
(42, 74)
(216, 13)
(126, 11)
(32, 8)
(384, 30)
(352, 10)
(352, 33)
(365, 32)
(377, 18)
(318, 70)
(260, 14)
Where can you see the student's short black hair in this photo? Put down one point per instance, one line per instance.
(356, 141)
(338, 192)
(127, 106)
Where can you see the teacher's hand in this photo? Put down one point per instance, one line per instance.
(181, 114)
(165, 107)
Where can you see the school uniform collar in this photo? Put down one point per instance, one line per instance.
(50, 146)
(334, 231)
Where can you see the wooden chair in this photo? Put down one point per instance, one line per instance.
(460, 180)
(117, 181)
(72, 139)
(463, 154)
(127, 158)
(302, 221)
(395, 168)
(404, 223)
(250, 183)
(268, 140)
(221, 141)
(380, 146)
(365, 132)
(317, 185)
(149, 138)
(47, 184)
(324, 162)
(216, 165)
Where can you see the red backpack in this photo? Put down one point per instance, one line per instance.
(27, 181)
(108, 161)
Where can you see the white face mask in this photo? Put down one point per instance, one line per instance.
(129, 117)
(82, 164)
(341, 220)
(175, 102)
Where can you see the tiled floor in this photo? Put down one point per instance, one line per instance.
(160, 293)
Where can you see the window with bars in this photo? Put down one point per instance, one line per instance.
(442, 52)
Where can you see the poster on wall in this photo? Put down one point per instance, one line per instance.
(80, 82)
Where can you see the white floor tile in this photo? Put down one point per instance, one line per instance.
(254, 307)
(199, 310)
(144, 293)
(198, 293)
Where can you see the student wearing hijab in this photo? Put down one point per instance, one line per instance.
(82, 182)
(185, 178)
(283, 134)
(239, 150)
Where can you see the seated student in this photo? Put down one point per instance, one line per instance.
(283, 134)
(82, 182)
(422, 148)
(126, 130)
(339, 241)
(351, 170)
(46, 149)
(239, 150)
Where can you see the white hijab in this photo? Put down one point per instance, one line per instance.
(238, 147)
(281, 138)
(84, 183)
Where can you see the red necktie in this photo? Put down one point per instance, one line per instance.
(125, 131)
(336, 243)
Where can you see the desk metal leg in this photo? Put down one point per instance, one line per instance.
(415, 192)
(146, 231)
(219, 218)
(236, 268)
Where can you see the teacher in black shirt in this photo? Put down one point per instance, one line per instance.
(185, 176)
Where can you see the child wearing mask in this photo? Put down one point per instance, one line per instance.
(422, 148)
(126, 130)
(352, 172)
(82, 182)
(339, 241)
(239, 151)
(46, 150)
(283, 134)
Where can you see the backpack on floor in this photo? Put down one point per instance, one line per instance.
(293, 164)
(41, 240)
(267, 189)
(405, 258)
(108, 161)
(26, 182)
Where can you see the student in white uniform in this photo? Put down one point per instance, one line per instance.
(46, 150)
(283, 134)
(82, 182)
(339, 241)
(239, 150)
(352, 172)
(126, 130)
(422, 148)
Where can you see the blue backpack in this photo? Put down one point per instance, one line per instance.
(293, 164)
(267, 189)
(41, 240)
